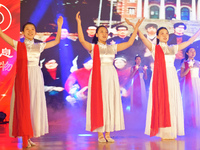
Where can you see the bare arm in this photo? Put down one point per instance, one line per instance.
(58, 35)
(125, 45)
(190, 41)
(6, 38)
(146, 42)
(86, 45)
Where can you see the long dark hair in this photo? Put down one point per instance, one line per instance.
(95, 39)
(137, 57)
(186, 55)
(23, 27)
(159, 31)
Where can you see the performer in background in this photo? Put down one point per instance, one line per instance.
(138, 90)
(123, 71)
(191, 85)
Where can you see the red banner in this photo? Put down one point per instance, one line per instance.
(10, 25)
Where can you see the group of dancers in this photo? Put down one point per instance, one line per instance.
(104, 114)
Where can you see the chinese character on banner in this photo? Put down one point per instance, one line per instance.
(6, 52)
(10, 25)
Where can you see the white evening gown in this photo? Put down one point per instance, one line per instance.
(112, 105)
(175, 99)
(38, 107)
(196, 95)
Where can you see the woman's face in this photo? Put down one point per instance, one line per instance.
(102, 35)
(163, 35)
(191, 53)
(138, 61)
(29, 31)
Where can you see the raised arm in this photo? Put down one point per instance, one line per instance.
(125, 45)
(190, 41)
(6, 38)
(146, 42)
(58, 35)
(86, 45)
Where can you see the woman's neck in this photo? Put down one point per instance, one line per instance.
(163, 42)
(30, 39)
(102, 42)
(191, 58)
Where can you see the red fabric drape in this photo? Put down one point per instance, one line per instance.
(21, 118)
(137, 98)
(96, 92)
(160, 101)
(189, 99)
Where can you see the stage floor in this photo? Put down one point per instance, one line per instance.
(67, 132)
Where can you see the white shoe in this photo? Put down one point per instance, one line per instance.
(31, 143)
(101, 139)
(109, 139)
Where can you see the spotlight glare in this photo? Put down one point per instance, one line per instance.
(84, 134)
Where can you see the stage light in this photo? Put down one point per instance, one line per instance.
(84, 134)
(40, 10)
(128, 108)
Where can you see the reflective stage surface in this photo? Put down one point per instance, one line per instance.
(67, 132)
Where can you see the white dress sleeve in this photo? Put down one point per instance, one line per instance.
(175, 47)
(42, 46)
(15, 44)
(115, 48)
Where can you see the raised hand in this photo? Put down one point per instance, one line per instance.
(6, 38)
(60, 21)
(78, 17)
(130, 23)
(136, 67)
(139, 22)
(145, 68)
